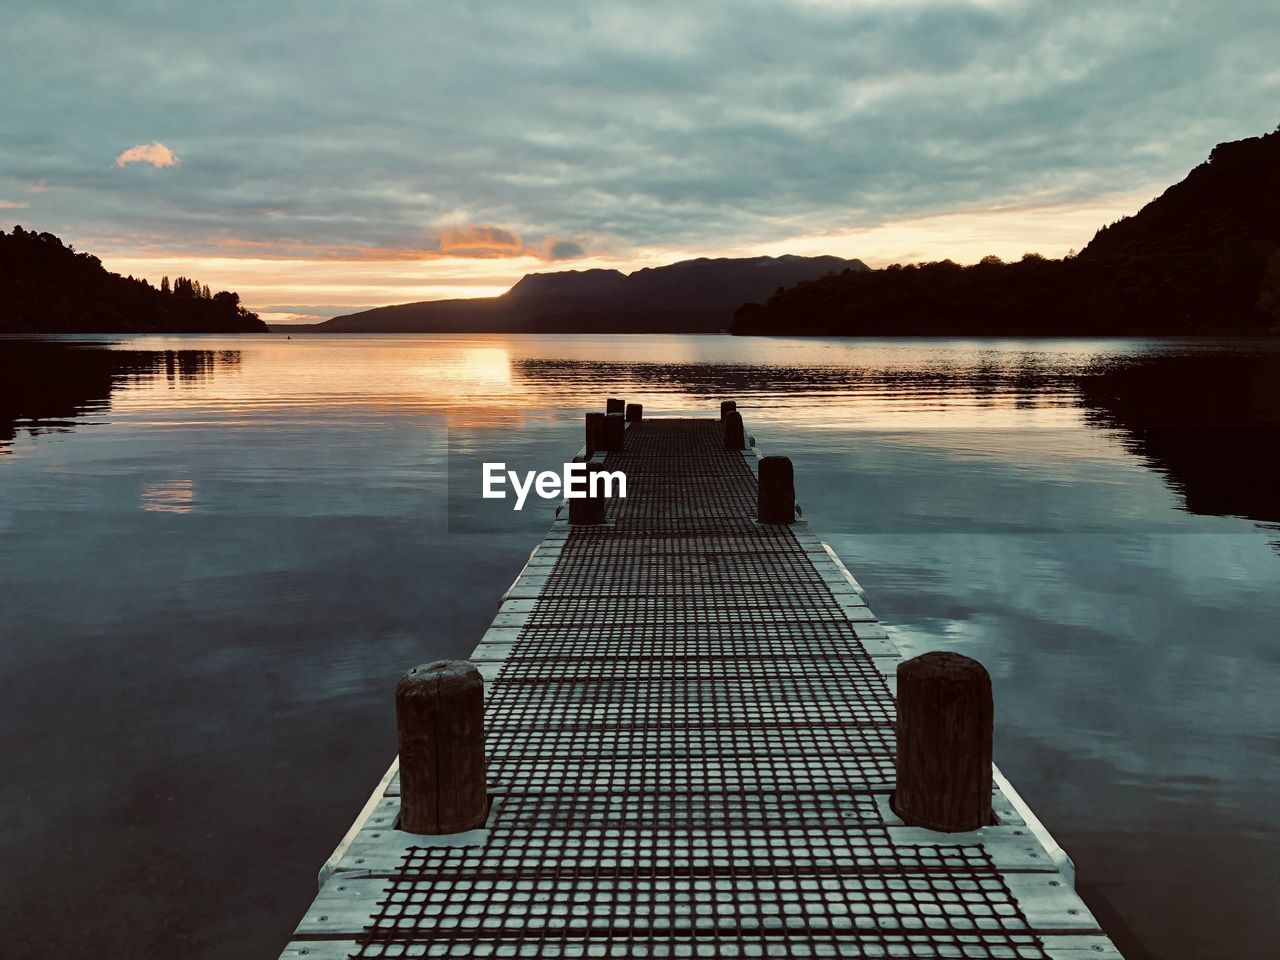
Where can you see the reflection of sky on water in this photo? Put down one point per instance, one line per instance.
(1019, 501)
(169, 496)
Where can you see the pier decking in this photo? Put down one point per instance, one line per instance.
(690, 747)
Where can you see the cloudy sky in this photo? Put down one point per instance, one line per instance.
(322, 156)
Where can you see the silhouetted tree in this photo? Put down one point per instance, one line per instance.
(47, 287)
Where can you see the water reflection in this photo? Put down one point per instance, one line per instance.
(261, 538)
(48, 386)
(172, 496)
(1207, 420)
(766, 383)
(1205, 417)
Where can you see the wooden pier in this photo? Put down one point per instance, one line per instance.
(690, 747)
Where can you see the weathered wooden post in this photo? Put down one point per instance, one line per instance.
(726, 406)
(776, 496)
(614, 405)
(945, 716)
(734, 435)
(595, 433)
(440, 729)
(614, 432)
(589, 509)
(635, 412)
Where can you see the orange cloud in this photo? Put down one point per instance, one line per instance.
(486, 241)
(12, 205)
(480, 240)
(156, 154)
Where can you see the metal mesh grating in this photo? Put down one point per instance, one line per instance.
(755, 601)
(603, 544)
(807, 741)
(697, 642)
(845, 675)
(634, 943)
(688, 562)
(696, 851)
(791, 596)
(730, 498)
(679, 704)
(601, 774)
(700, 810)
(565, 647)
(788, 576)
(676, 437)
(685, 746)
(694, 470)
(647, 528)
(760, 902)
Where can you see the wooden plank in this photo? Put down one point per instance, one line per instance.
(491, 652)
(1055, 947)
(1014, 799)
(1094, 947)
(367, 814)
(1011, 847)
(346, 905)
(343, 908)
(1049, 903)
(320, 950)
(379, 848)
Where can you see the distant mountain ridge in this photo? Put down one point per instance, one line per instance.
(1202, 258)
(691, 296)
(48, 287)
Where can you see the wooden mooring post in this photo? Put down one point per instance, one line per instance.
(635, 412)
(727, 406)
(614, 432)
(589, 509)
(615, 405)
(595, 433)
(944, 728)
(776, 497)
(735, 437)
(440, 730)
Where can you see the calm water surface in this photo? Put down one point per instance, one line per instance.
(217, 555)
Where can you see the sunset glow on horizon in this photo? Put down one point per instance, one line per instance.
(293, 288)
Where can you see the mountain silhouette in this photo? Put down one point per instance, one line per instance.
(692, 296)
(1204, 257)
(47, 287)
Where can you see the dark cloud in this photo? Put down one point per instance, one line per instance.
(562, 250)
(667, 125)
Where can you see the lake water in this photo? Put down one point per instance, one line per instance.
(218, 554)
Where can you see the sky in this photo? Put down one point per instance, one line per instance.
(323, 157)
